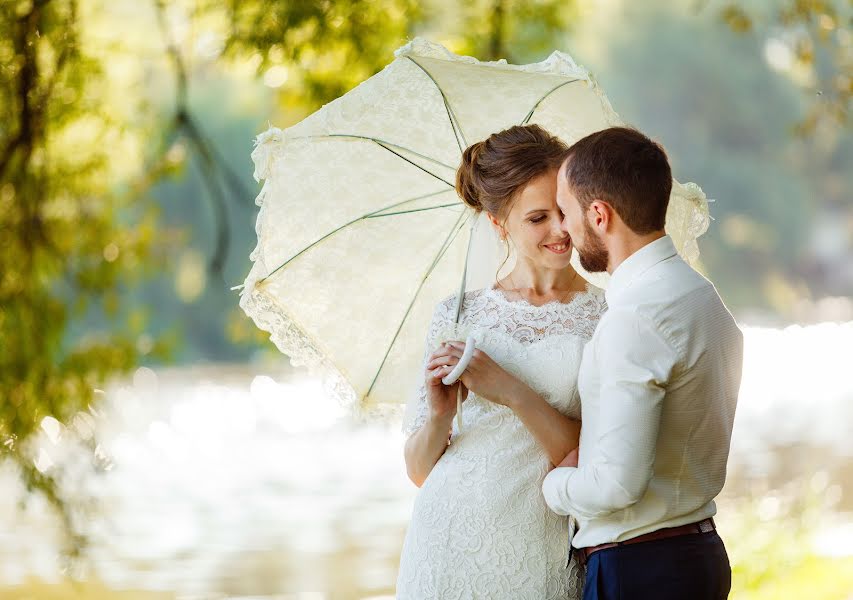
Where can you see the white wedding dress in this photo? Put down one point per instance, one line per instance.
(480, 527)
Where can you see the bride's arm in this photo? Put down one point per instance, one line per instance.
(431, 411)
(557, 433)
(425, 446)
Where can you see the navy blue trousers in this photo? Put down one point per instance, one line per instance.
(685, 567)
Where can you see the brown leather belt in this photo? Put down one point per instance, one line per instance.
(705, 526)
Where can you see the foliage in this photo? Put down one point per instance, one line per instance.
(728, 120)
(67, 243)
(312, 40)
(812, 42)
(519, 31)
(770, 542)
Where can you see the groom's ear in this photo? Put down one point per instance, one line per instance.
(600, 215)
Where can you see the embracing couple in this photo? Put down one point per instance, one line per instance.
(596, 424)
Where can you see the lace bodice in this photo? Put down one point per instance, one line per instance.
(480, 527)
(510, 328)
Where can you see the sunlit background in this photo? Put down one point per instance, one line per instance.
(156, 445)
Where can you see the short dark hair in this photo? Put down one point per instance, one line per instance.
(626, 169)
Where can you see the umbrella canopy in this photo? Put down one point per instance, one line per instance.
(361, 232)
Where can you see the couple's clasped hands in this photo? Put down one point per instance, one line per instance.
(483, 376)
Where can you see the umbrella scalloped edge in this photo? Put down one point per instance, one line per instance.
(697, 219)
(558, 63)
(303, 352)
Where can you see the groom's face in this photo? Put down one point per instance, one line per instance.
(592, 253)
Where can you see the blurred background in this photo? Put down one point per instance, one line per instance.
(154, 444)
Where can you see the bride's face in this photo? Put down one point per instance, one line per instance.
(534, 224)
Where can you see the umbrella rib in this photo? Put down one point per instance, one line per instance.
(448, 241)
(542, 99)
(414, 164)
(454, 120)
(414, 210)
(378, 141)
(444, 249)
(345, 225)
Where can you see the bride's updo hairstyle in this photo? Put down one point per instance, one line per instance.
(495, 170)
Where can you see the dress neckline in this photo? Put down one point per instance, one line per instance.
(551, 304)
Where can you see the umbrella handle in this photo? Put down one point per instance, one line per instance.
(463, 363)
(459, 409)
(456, 373)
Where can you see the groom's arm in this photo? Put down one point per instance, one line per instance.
(634, 362)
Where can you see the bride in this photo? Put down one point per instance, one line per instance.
(480, 526)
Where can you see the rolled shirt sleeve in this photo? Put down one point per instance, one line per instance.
(634, 364)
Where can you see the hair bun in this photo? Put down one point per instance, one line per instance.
(468, 177)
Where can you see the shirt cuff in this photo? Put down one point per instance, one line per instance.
(554, 488)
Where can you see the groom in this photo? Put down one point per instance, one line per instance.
(658, 384)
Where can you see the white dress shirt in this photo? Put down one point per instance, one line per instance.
(658, 384)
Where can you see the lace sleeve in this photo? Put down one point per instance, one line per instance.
(416, 408)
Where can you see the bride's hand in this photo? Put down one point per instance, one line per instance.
(483, 376)
(441, 398)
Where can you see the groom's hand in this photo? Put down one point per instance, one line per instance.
(571, 459)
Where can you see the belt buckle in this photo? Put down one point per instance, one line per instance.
(706, 526)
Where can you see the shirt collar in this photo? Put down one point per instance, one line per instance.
(637, 264)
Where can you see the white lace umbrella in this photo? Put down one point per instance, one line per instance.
(360, 231)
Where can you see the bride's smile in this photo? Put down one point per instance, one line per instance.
(561, 247)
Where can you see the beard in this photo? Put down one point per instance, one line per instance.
(594, 255)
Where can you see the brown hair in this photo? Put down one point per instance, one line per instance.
(494, 170)
(626, 169)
